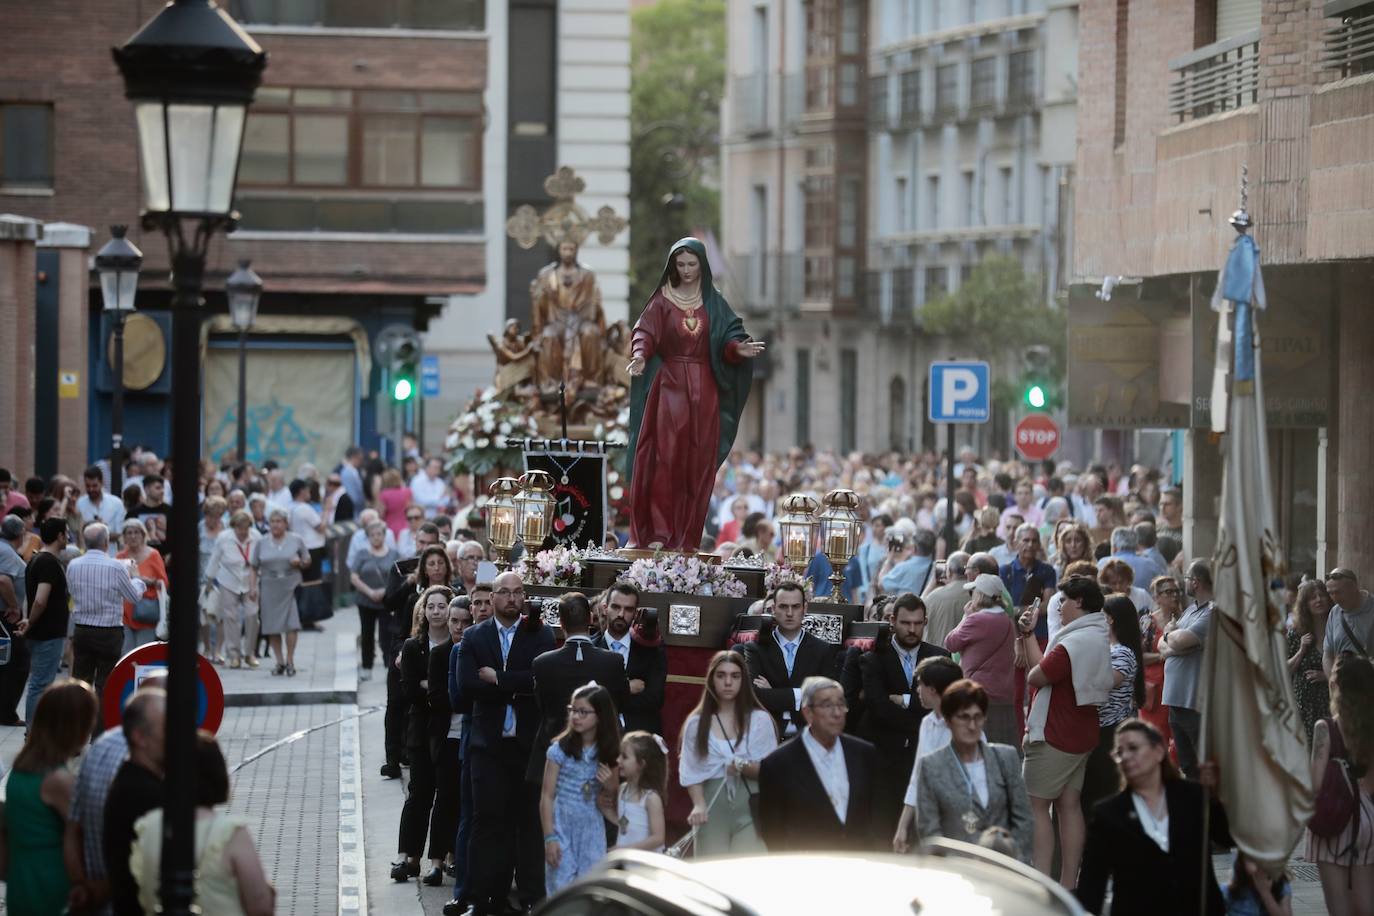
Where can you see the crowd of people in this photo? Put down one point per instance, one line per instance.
(1035, 687)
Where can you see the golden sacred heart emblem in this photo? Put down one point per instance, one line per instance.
(690, 323)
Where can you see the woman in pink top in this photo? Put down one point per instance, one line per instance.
(985, 640)
(394, 497)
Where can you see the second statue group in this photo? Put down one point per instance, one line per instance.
(690, 378)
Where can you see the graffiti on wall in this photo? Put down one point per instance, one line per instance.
(272, 432)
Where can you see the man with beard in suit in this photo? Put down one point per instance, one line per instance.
(645, 660)
(894, 712)
(495, 662)
(784, 656)
(816, 791)
(560, 672)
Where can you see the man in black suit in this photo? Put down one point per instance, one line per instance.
(560, 672)
(785, 655)
(645, 661)
(816, 790)
(894, 711)
(494, 670)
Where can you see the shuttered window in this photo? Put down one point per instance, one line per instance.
(1235, 17)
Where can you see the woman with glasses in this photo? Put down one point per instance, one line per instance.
(1168, 607)
(971, 784)
(1147, 838)
(1306, 635)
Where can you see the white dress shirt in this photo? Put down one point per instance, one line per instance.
(620, 647)
(428, 492)
(830, 767)
(109, 511)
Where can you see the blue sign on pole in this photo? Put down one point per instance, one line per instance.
(429, 376)
(960, 392)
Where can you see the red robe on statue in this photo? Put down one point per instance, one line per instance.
(675, 459)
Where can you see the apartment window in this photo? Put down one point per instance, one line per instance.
(803, 396)
(820, 53)
(933, 202)
(849, 399)
(1021, 76)
(937, 283)
(903, 205)
(1008, 194)
(818, 278)
(844, 277)
(456, 15)
(911, 97)
(851, 26)
(947, 89)
(346, 138)
(758, 280)
(970, 199)
(902, 296)
(26, 146)
(984, 86)
(849, 85)
(877, 100)
(1123, 10)
(849, 213)
(965, 273)
(819, 209)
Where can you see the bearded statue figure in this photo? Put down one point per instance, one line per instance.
(569, 324)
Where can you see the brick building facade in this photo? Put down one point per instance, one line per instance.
(1176, 97)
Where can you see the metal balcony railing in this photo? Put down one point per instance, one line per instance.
(755, 100)
(764, 283)
(1350, 45)
(1215, 78)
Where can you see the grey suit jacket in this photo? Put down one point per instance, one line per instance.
(943, 796)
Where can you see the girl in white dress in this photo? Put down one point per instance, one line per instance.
(638, 811)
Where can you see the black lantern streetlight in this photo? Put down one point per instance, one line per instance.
(191, 73)
(118, 263)
(243, 289)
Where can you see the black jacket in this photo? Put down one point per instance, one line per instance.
(815, 658)
(795, 814)
(423, 719)
(481, 648)
(643, 710)
(891, 728)
(440, 710)
(556, 675)
(1145, 879)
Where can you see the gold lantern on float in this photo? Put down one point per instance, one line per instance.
(797, 528)
(534, 508)
(841, 529)
(501, 518)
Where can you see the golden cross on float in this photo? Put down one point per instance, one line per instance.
(564, 220)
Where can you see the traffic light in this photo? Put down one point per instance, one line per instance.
(402, 388)
(1037, 392)
(398, 348)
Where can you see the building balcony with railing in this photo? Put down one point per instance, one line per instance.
(761, 104)
(1215, 78)
(1349, 45)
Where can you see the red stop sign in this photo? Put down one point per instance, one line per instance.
(1037, 437)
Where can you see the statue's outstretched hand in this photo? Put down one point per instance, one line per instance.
(635, 366)
(749, 347)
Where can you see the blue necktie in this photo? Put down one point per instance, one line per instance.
(906, 665)
(619, 647)
(507, 634)
(790, 650)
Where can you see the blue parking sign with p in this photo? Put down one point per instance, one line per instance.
(959, 392)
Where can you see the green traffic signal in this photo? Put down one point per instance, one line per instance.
(1035, 397)
(402, 389)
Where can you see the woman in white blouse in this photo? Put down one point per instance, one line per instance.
(723, 741)
(230, 571)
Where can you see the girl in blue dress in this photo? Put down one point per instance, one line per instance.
(579, 770)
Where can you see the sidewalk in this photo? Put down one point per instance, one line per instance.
(326, 670)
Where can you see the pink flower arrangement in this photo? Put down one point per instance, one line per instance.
(778, 573)
(557, 566)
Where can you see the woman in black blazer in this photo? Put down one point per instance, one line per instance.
(429, 628)
(1148, 838)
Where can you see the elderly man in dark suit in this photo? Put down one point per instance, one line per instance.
(894, 712)
(785, 655)
(495, 662)
(645, 660)
(816, 791)
(560, 672)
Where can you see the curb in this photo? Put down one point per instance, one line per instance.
(343, 692)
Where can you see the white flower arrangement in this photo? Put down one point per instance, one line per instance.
(476, 440)
(684, 575)
(557, 566)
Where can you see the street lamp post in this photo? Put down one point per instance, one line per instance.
(117, 263)
(243, 290)
(191, 73)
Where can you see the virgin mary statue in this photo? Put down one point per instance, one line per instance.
(690, 381)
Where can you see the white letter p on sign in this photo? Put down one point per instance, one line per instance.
(959, 385)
